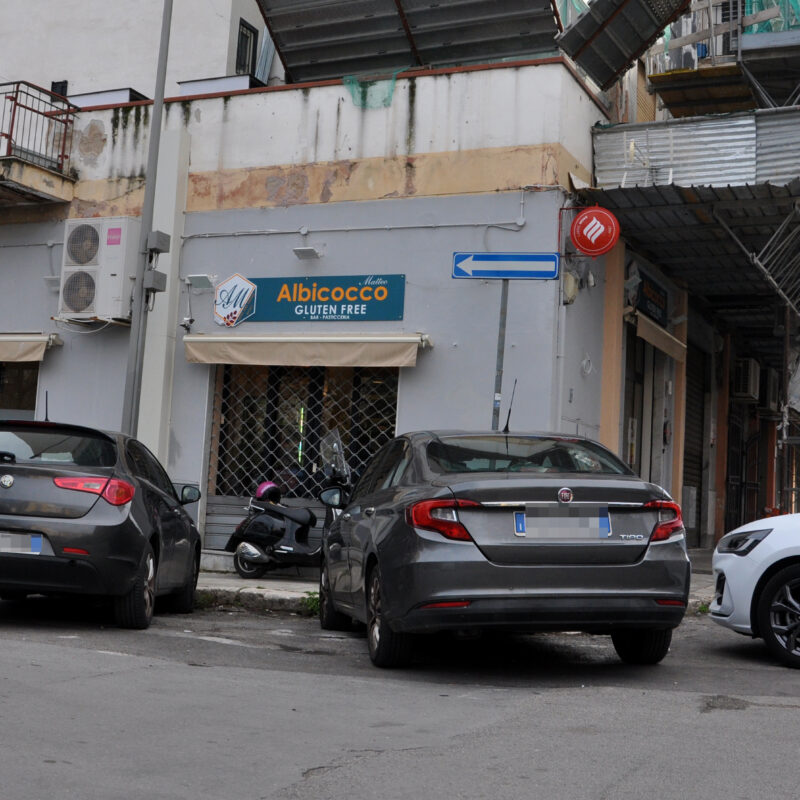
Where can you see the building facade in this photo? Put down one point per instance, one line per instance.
(327, 265)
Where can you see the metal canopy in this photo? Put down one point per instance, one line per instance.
(322, 39)
(611, 34)
(736, 249)
(716, 89)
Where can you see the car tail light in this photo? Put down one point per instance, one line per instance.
(665, 602)
(670, 519)
(448, 604)
(440, 516)
(113, 490)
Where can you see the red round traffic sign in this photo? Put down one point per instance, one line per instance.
(594, 231)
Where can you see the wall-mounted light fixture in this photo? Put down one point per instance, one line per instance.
(307, 252)
(201, 281)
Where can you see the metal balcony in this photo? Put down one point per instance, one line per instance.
(35, 142)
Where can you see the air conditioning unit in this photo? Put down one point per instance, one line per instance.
(746, 377)
(770, 391)
(97, 268)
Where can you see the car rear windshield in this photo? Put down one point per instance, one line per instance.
(56, 446)
(523, 454)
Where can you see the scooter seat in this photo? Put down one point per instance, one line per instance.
(302, 516)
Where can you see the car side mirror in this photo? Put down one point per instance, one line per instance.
(189, 494)
(333, 496)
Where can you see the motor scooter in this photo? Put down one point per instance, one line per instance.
(273, 535)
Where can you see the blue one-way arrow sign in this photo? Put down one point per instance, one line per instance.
(515, 266)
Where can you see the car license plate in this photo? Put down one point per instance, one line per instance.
(25, 543)
(570, 523)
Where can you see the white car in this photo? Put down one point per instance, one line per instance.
(757, 590)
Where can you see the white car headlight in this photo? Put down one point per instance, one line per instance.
(741, 544)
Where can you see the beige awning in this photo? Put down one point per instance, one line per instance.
(26, 346)
(660, 338)
(332, 350)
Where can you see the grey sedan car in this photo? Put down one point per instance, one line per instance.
(452, 530)
(84, 511)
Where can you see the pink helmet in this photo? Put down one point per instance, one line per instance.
(267, 490)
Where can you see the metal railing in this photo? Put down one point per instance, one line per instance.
(35, 125)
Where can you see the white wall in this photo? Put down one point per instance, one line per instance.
(437, 113)
(113, 44)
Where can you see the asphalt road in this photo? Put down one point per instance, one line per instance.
(227, 704)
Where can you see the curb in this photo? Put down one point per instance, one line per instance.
(252, 600)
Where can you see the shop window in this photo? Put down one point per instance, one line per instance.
(18, 381)
(246, 49)
(269, 422)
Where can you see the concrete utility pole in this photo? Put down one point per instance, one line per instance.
(133, 376)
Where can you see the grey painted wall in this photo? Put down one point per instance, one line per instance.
(84, 378)
(453, 383)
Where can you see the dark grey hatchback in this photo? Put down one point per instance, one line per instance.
(452, 530)
(90, 512)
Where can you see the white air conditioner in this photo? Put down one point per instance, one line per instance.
(770, 393)
(97, 267)
(746, 376)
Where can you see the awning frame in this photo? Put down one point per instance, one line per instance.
(332, 350)
(27, 346)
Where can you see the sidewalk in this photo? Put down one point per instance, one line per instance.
(290, 592)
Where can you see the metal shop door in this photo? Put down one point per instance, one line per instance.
(696, 372)
(268, 423)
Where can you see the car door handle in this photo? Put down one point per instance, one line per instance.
(346, 516)
(369, 511)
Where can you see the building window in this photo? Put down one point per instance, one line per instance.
(18, 380)
(247, 49)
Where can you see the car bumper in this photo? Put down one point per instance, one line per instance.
(114, 549)
(653, 592)
(735, 578)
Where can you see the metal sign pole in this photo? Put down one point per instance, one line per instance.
(501, 349)
(133, 376)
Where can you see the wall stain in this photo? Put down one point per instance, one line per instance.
(92, 142)
(412, 107)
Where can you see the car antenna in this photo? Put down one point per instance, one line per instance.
(46, 411)
(508, 418)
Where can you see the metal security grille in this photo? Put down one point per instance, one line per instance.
(269, 421)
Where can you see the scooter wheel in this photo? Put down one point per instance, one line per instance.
(246, 568)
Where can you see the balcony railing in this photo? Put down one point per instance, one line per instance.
(35, 125)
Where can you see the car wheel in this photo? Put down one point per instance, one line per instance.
(643, 646)
(329, 618)
(387, 648)
(182, 602)
(779, 615)
(247, 569)
(135, 609)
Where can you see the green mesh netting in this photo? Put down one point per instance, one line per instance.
(371, 91)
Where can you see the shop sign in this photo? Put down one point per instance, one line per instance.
(234, 300)
(594, 231)
(652, 300)
(341, 298)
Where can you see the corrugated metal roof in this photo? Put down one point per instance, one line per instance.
(778, 151)
(321, 39)
(714, 150)
(611, 34)
(682, 229)
(760, 146)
